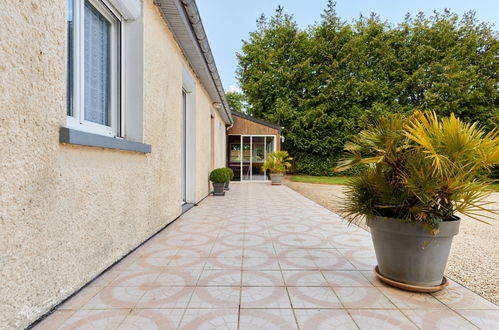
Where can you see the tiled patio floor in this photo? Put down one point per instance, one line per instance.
(262, 257)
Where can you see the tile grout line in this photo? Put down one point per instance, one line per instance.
(398, 308)
(456, 311)
(271, 239)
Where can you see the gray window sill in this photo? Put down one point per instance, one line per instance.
(72, 136)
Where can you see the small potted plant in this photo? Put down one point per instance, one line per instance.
(230, 172)
(219, 177)
(422, 170)
(277, 164)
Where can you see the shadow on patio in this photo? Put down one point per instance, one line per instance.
(262, 257)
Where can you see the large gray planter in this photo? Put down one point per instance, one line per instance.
(409, 253)
(226, 186)
(276, 178)
(218, 188)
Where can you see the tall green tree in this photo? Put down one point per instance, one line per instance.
(326, 83)
(237, 101)
(274, 68)
(450, 65)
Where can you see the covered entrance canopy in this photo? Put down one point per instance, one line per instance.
(249, 142)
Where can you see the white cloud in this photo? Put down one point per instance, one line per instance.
(234, 89)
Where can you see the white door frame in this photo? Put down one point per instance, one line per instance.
(183, 155)
(251, 153)
(189, 86)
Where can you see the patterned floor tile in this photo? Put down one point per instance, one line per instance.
(215, 297)
(147, 264)
(208, 319)
(305, 263)
(262, 278)
(371, 276)
(276, 261)
(115, 297)
(363, 263)
(304, 278)
(178, 277)
(362, 297)
(234, 263)
(291, 228)
(220, 278)
(223, 251)
(182, 239)
(346, 278)
(264, 297)
(333, 263)
(54, 320)
(350, 240)
(381, 319)
(270, 319)
(186, 262)
(194, 252)
(135, 279)
(81, 298)
(207, 228)
(285, 252)
(462, 298)
(152, 319)
(259, 263)
(411, 300)
(166, 297)
(438, 319)
(366, 252)
(96, 319)
(164, 253)
(324, 319)
(313, 297)
(484, 319)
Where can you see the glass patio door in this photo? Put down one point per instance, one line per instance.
(258, 157)
(246, 158)
(254, 151)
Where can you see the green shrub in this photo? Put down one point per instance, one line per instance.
(219, 175)
(313, 165)
(230, 172)
(316, 165)
(278, 162)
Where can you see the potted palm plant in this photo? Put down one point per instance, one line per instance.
(422, 171)
(277, 164)
(219, 177)
(230, 173)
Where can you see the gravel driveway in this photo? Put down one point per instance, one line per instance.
(474, 258)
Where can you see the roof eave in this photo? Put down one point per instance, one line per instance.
(182, 16)
(258, 121)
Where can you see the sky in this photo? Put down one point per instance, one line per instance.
(228, 22)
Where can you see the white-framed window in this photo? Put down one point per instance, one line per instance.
(94, 67)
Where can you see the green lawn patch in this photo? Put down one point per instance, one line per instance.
(344, 179)
(320, 179)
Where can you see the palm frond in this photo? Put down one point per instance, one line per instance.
(422, 169)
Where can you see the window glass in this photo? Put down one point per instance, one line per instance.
(97, 57)
(270, 145)
(235, 152)
(246, 149)
(258, 148)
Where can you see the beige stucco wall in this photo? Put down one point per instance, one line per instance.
(68, 212)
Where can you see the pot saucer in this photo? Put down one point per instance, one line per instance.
(410, 287)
